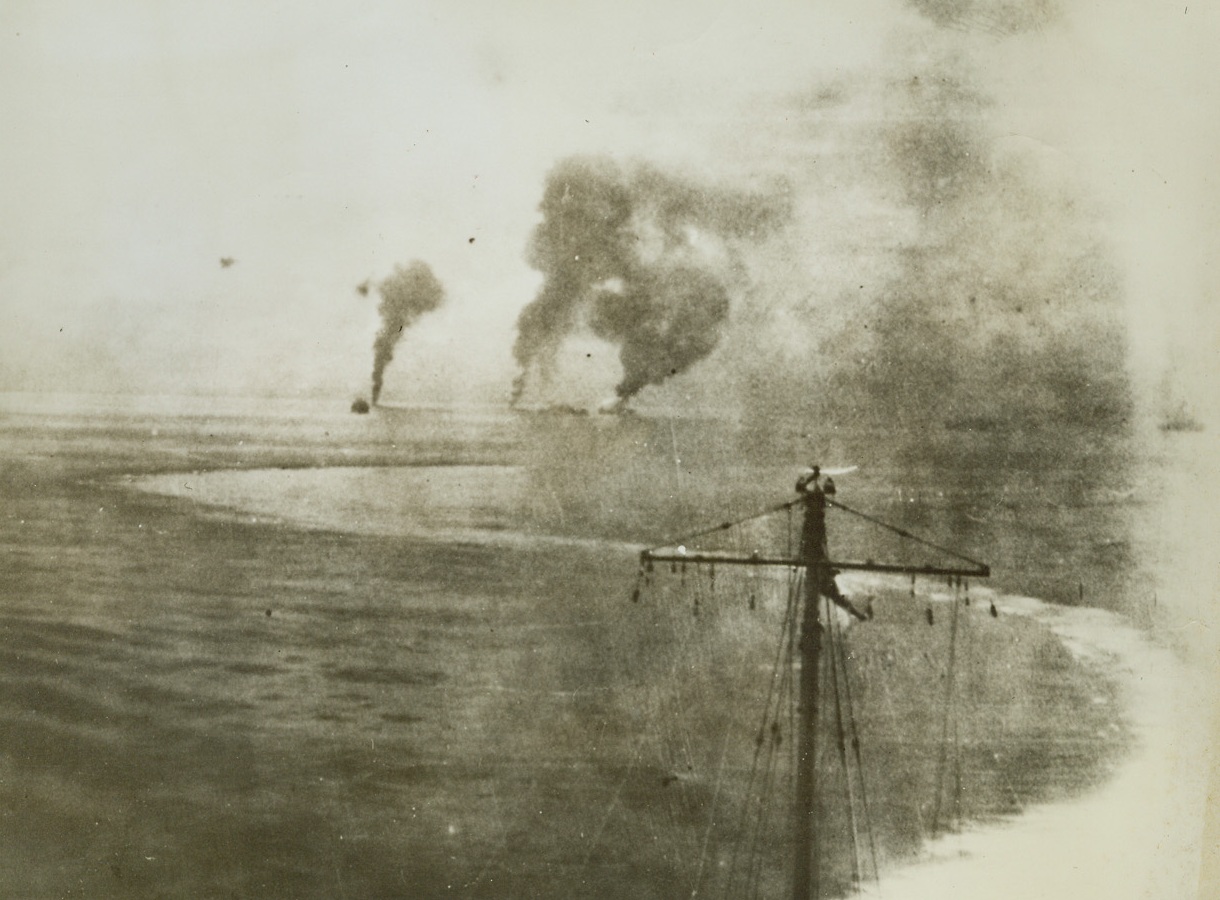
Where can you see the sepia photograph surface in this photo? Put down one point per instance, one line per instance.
(642, 450)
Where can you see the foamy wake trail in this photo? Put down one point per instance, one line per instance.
(1138, 836)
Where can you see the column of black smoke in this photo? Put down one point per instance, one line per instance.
(406, 295)
(616, 253)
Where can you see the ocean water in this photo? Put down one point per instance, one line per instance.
(270, 648)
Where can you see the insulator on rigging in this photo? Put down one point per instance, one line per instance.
(868, 607)
(994, 612)
(928, 613)
(776, 734)
(695, 608)
(753, 603)
(635, 595)
(673, 567)
(912, 585)
(648, 565)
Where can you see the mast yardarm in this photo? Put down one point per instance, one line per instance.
(815, 494)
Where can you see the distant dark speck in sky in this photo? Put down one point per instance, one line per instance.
(226, 261)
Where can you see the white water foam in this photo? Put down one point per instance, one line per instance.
(1136, 837)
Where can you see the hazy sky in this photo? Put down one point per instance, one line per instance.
(321, 143)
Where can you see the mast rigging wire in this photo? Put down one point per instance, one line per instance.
(753, 781)
(855, 743)
(836, 661)
(948, 710)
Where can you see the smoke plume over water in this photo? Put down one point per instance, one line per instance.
(643, 259)
(405, 296)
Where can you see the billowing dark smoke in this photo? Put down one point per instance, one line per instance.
(641, 258)
(405, 296)
(664, 323)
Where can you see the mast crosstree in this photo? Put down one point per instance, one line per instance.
(815, 495)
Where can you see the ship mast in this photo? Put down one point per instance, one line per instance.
(820, 571)
(813, 556)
